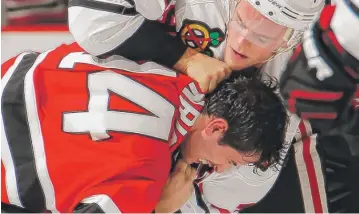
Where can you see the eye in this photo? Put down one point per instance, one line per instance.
(239, 21)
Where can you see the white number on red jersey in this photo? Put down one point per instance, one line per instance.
(99, 118)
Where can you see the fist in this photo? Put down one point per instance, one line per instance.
(178, 189)
(207, 71)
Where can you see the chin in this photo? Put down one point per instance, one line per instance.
(235, 64)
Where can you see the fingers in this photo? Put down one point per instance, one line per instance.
(224, 71)
(227, 71)
(205, 84)
(207, 71)
(213, 83)
(186, 170)
(221, 76)
(218, 75)
(191, 173)
(181, 166)
(217, 78)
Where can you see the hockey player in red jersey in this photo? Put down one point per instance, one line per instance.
(320, 84)
(80, 135)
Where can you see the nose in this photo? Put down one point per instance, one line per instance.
(222, 167)
(241, 37)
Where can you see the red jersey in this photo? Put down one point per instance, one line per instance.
(95, 136)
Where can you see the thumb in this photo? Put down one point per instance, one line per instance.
(204, 84)
(181, 166)
(191, 173)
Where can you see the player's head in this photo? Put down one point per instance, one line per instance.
(259, 29)
(243, 122)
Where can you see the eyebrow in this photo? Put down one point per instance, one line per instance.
(265, 36)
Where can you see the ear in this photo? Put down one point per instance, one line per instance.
(216, 127)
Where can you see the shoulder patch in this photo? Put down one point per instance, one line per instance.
(199, 36)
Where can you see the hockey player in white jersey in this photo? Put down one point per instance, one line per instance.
(257, 31)
(242, 33)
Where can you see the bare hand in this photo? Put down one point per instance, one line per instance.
(178, 189)
(207, 71)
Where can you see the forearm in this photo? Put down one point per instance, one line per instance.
(152, 42)
(105, 28)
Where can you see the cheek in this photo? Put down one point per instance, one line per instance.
(259, 54)
(234, 38)
(188, 147)
(216, 156)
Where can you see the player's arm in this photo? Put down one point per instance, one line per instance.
(129, 28)
(316, 92)
(126, 28)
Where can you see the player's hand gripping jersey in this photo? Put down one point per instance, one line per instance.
(86, 136)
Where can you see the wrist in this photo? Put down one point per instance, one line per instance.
(162, 208)
(181, 64)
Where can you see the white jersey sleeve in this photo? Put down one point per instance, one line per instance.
(99, 26)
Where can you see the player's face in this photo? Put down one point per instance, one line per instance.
(203, 145)
(252, 38)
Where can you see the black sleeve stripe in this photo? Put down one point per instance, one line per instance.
(131, 2)
(88, 208)
(108, 7)
(147, 38)
(18, 138)
(9, 208)
(199, 199)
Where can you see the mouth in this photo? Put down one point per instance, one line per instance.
(206, 162)
(239, 55)
(202, 161)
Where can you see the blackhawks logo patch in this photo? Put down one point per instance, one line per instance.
(199, 36)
